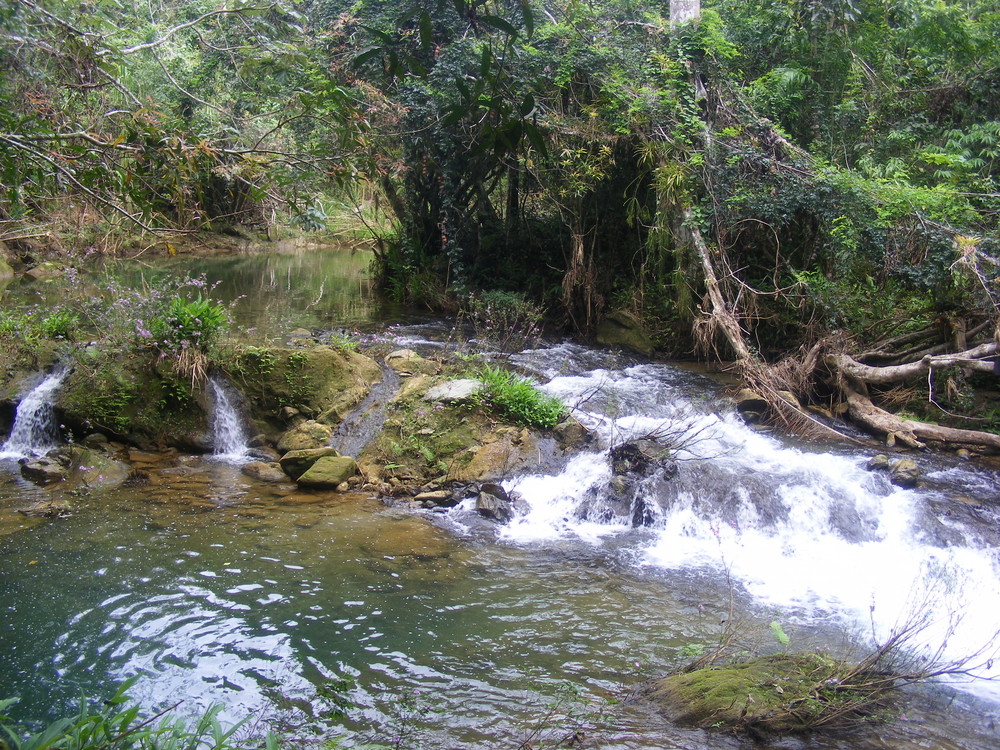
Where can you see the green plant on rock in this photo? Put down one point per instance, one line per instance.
(515, 398)
(59, 324)
(187, 324)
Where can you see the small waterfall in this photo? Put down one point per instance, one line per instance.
(35, 432)
(229, 438)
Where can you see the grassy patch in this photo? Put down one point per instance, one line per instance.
(514, 398)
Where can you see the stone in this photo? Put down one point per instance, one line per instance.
(301, 333)
(90, 468)
(264, 472)
(571, 433)
(46, 509)
(95, 440)
(454, 391)
(44, 470)
(494, 503)
(265, 453)
(46, 270)
(437, 497)
(309, 434)
(621, 328)
(905, 473)
(288, 413)
(296, 463)
(329, 472)
(751, 405)
(408, 362)
(879, 462)
(6, 272)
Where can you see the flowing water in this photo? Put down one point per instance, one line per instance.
(208, 586)
(35, 432)
(229, 438)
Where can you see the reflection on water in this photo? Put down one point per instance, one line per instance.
(272, 293)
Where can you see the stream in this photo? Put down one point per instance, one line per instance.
(437, 631)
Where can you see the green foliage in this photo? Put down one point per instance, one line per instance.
(186, 324)
(117, 724)
(59, 324)
(503, 321)
(515, 398)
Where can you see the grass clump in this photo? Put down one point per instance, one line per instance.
(515, 399)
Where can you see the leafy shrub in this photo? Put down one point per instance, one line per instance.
(516, 399)
(59, 324)
(190, 324)
(504, 321)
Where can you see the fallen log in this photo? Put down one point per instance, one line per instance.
(979, 358)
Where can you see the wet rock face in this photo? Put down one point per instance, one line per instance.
(641, 457)
(494, 503)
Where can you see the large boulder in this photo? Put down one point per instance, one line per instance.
(91, 468)
(308, 434)
(620, 328)
(297, 463)
(6, 272)
(328, 472)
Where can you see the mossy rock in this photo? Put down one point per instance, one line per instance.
(422, 441)
(6, 272)
(137, 398)
(775, 694)
(328, 472)
(296, 463)
(308, 434)
(322, 383)
(620, 328)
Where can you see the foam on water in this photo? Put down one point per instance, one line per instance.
(812, 532)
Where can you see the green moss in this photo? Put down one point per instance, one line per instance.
(322, 382)
(775, 694)
(137, 397)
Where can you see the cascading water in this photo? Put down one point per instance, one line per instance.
(812, 532)
(35, 432)
(229, 438)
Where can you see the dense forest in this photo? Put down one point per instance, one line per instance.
(807, 189)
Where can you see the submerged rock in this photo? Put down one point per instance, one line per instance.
(328, 472)
(264, 471)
